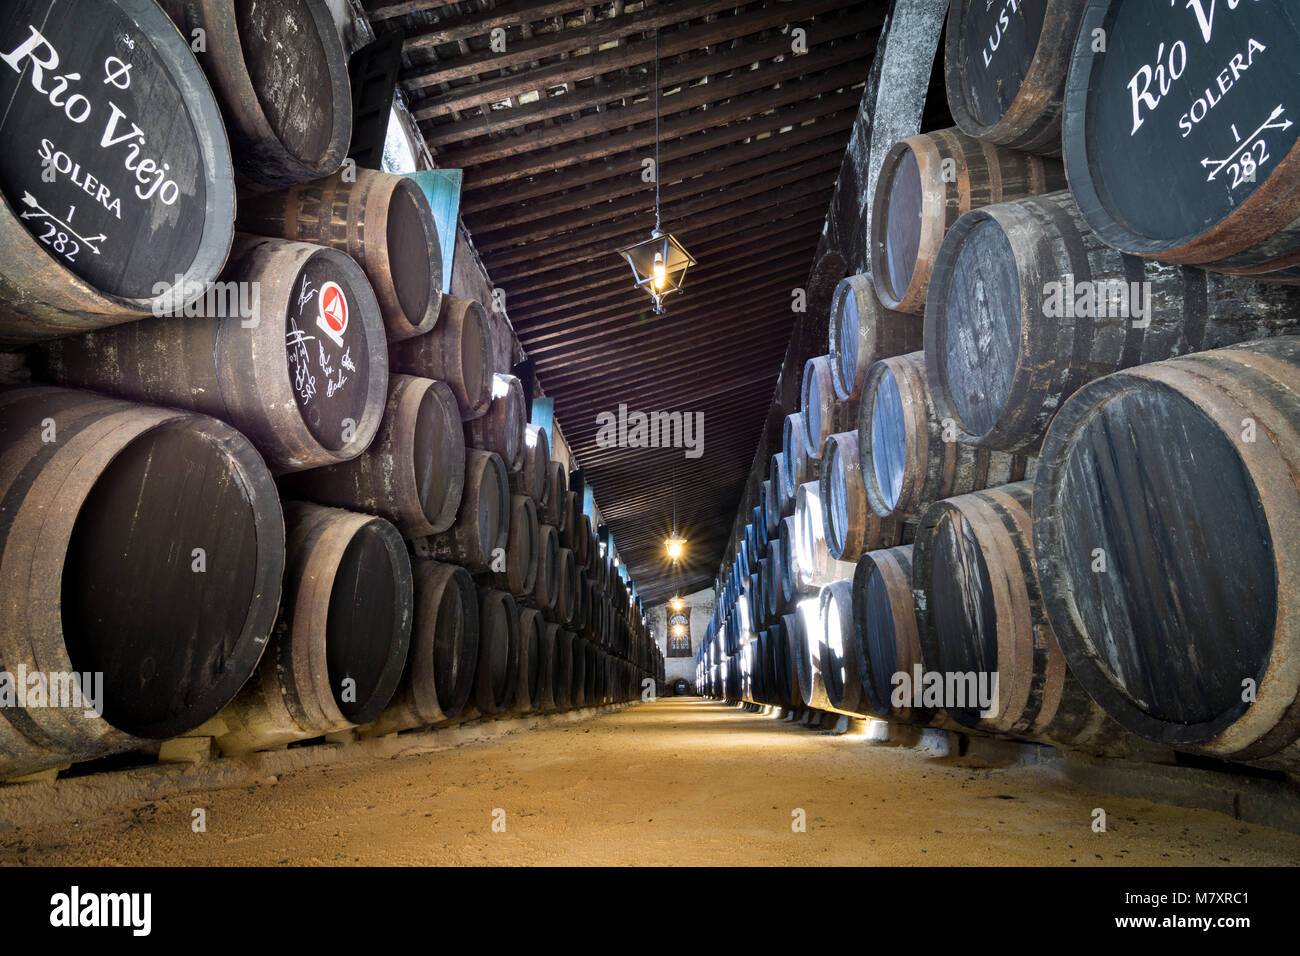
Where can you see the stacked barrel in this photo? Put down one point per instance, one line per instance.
(270, 486)
(1055, 439)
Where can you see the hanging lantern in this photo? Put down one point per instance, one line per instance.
(659, 265)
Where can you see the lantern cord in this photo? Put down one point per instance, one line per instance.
(657, 224)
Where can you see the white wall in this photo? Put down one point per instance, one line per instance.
(701, 605)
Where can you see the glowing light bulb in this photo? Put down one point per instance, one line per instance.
(660, 273)
(676, 547)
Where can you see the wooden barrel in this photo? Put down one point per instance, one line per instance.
(784, 693)
(1028, 305)
(813, 564)
(823, 413)
(341, 642)
(483, 520)
(546, 699)
(771, 505)
(772, 584)
(498, 651)
(458, 351)
(591, 688)
(808, 655)
(381, 220)
(546, 586)
(439, 672)
(926, 184)
(562, 668)
(1004, 68)
(306, 394)
(528, 683)
(412, 474)
(578, 673)
(82, 248)
(786, 561)
(1164, 526)
(520, 574)
(781, 498)
(557, 490)
(839, 664)
(281, 75)
(884, 633)
(800, 466)
(501, 429)
(863, 331)
(566, 590)
(849, 526)
(1186, 104)
(909, 459)
(110, 507)
(531, 479)
(980, 613)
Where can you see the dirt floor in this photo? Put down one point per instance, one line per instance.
(680, 781)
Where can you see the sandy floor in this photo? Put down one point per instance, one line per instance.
(675, 782)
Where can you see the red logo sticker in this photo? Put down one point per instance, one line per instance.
(333, 317)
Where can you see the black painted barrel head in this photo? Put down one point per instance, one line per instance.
(414, 254)
(994, 46)
(961, 608)
(368, 628)
(879, 644)
(124, 173)
(532, 639)
(888, 439)
(439, 456)
(1188, 101)
(1186, 608)
(329, 338)
(973, 330)
(166, 565)
(292, 70)
(455, 643)
(493, 516)
(498, 651)
(902, 232)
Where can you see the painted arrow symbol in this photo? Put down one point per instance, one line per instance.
(39, 212)
(1269, 123)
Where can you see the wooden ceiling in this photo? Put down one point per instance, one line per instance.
(552, 126)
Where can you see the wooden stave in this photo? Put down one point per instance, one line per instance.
(463, 543)
(1178, 322)
(939, 469)
(290, 697)
(942, 207)
(1249, 381)
(33, 551)
(260, 155)
(441, 353)
(206, 364)
(1032, 122)
(382, 480)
